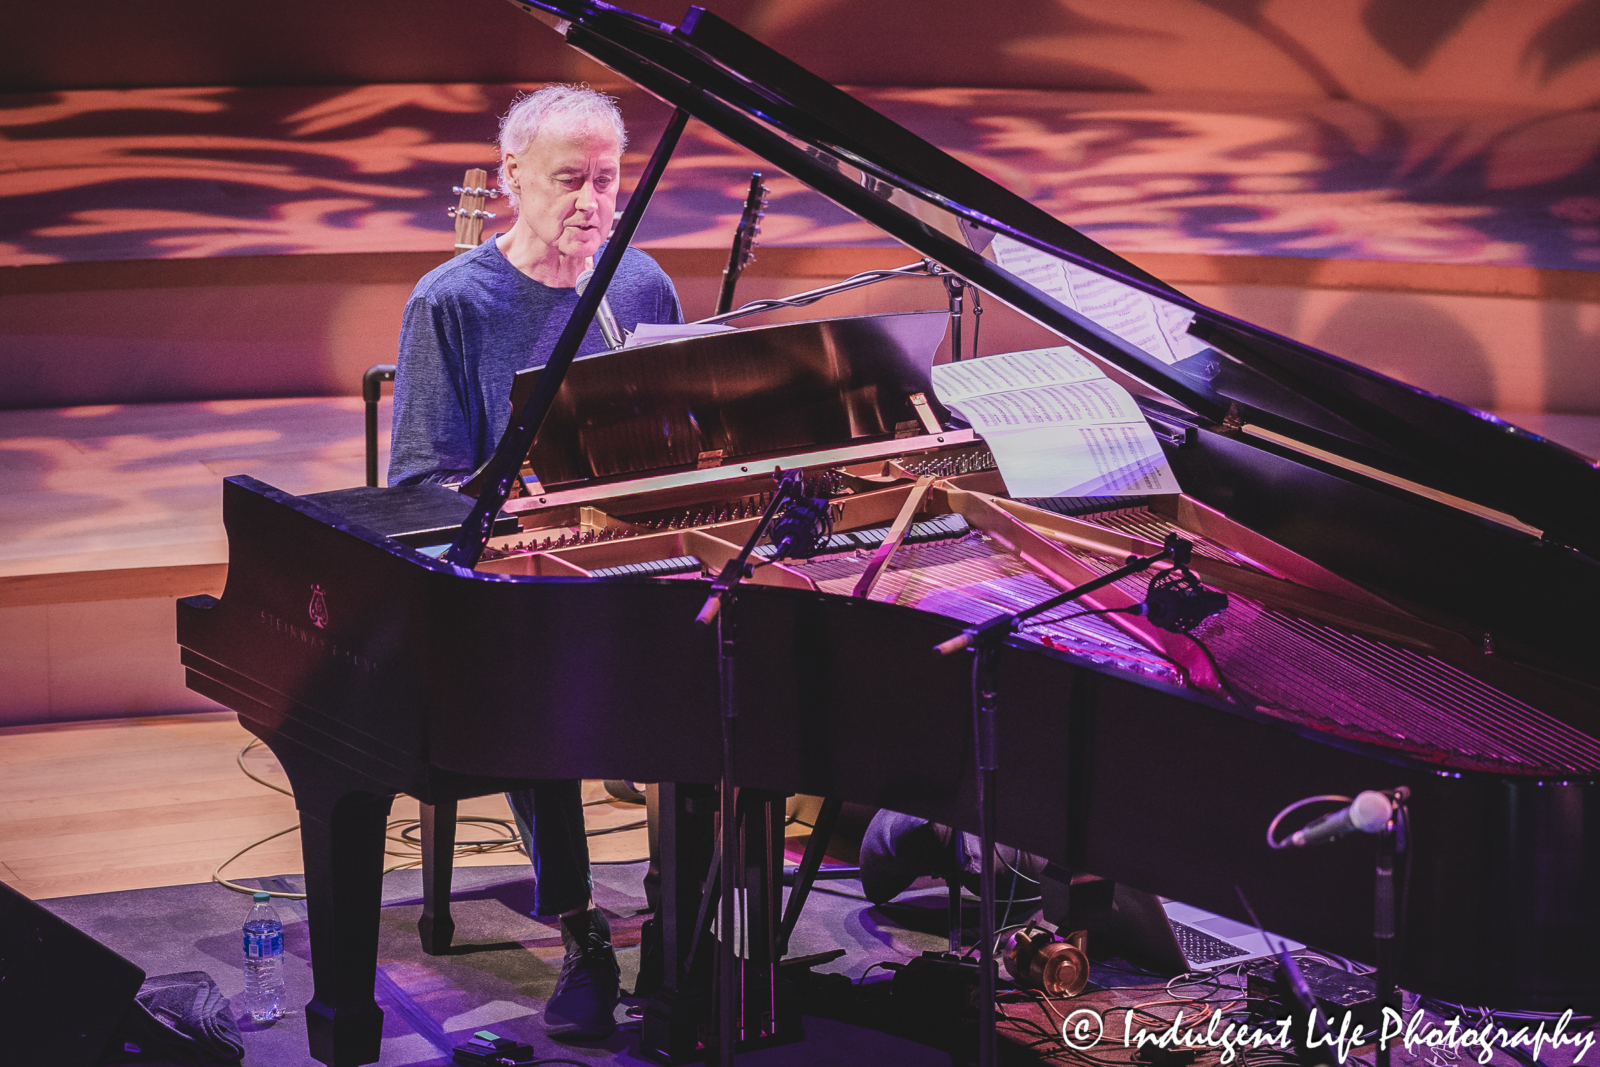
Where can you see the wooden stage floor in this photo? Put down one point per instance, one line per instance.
(99, 807)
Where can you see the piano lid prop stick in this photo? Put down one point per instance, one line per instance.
(500, 474)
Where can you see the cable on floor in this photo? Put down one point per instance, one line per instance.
(399, 831)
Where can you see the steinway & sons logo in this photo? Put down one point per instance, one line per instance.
(319, 608)
(314, 641)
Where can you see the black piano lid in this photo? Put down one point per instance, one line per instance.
(944, 209)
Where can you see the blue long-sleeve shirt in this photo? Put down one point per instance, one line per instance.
(469, 326)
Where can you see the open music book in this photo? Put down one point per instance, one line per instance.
(1056, 424)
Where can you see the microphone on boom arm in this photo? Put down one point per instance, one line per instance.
(804, 526)
(798, 526)
(602, 315)
(1175, 600)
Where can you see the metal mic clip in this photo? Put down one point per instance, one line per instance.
(609, 330)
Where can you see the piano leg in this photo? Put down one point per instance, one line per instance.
(438, 857)
(341, 838)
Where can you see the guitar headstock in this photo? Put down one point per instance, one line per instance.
(755, 209)
(468, 212)
(743, 252)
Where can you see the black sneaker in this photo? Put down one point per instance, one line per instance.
(584, 1001)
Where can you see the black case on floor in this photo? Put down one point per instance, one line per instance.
(62, 993)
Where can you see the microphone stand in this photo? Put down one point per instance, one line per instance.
(1386, 917)
(984, 639)
(721, 607)
(953, 286)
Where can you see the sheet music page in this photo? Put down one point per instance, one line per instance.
(649, 333)
(1056, 424)
(1044, 366)
(1159, 328)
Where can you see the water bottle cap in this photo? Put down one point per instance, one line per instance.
(262, 898)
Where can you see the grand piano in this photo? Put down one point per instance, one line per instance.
(1410, 584)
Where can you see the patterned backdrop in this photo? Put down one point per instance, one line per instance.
(1454, 131)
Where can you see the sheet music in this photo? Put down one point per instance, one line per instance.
(1017, 370)
(1157, 327)
(1056, 424)
(649, 333)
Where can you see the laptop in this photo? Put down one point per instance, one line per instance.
(1173, 937)
(1208, 940)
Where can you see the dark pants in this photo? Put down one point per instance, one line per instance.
(898, 849)
(550, 816)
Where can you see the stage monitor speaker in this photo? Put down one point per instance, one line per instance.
(62, 993)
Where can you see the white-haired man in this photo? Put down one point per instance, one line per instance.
(470, 325)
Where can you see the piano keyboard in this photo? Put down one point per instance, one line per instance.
(655, 568)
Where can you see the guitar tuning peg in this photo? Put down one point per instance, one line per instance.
(456, 189)
(492, 194)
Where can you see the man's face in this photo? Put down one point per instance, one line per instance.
(567, 185)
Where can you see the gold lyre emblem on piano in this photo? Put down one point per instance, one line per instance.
(318, 609)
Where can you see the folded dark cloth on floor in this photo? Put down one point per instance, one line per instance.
(181, 1018)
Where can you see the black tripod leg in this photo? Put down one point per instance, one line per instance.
(984, 728)
(953, 885)
(806, 875)
(674, 1018)
(438, 864)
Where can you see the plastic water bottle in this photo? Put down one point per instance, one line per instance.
(263, 961)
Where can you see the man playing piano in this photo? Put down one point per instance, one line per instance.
(469, 326)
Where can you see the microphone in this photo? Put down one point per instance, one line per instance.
(803, 528)
(1369, 812)
(1177, 602)
(608, 322)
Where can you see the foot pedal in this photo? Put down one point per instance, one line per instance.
(490, 1050)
